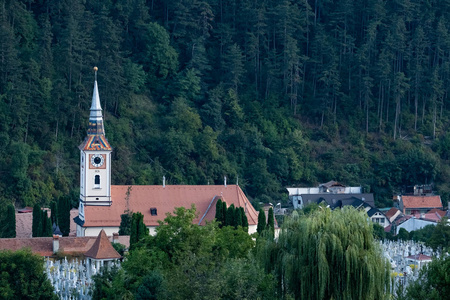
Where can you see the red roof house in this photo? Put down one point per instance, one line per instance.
(419, 204)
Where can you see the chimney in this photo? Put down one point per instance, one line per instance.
(115, 238)
(164, 181)
(225, 181)
(55, 243)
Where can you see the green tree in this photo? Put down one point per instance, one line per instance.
(403, 234)
(22, 276)
(125, 223)
(271, 222)
(230, 221)
(36, 220)
(54, 213)
(433, 282)
(327, 255)
(244, 218)
(440, 238)
(9, 228)
(64, 207)
(219, 213)
(261, 221)
(138, 229)
(378, 231)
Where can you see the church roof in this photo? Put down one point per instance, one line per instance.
(102, 248)
(155, 201)
(95, 139)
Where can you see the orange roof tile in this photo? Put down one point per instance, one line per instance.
(142, 198)
(437, 211)
(421, 201)
(390, 213)
(44, 245)
(102, 248)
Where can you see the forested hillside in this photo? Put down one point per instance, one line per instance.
(274, 93)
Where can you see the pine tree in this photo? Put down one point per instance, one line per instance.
(138, 229)
(64, 215)
(271, 222)
(36, 220)
(261, 222)
(237, 217)
(224, 213)
(10, 222)
(54, 213)
(125, 223)
(244, 219)
(219, 213)
(230, 216)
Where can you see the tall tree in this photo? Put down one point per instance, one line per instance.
(9, 228)
(138, 229)
(36, 220)
(271, 222)
(64, 207)
(261, 221)
(219, 213)
(328, 255)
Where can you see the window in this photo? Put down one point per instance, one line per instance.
(153, 211)
(97, 181)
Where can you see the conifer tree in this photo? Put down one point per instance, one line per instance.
(125, 223)
(261, 221)
(219, 213)
(54, 213)
(271, 222)
(138, 229)
(244, 219)
(36, 220)
(224, 213)
(10, 222)
(64, 215)
(230, 221)
(237, 217)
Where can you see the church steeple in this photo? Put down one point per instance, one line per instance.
(95, 139)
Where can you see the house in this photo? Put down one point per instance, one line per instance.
(330, 192)
(374, 213)
(102, 204)
(49, 246)
(412, 204)
(411, 223)
(419, 260)
(392, 214)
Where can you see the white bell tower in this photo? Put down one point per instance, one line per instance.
(95, 160)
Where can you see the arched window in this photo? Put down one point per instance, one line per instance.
(97, 181)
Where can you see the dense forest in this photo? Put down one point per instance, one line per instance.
(268, 93)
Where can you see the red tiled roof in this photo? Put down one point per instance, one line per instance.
(421, 201)
(143, 197)
(390, 213)
(102, 248)
(44, 245)
(437, 211)
(419, 257)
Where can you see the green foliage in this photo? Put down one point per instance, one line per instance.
(125, 223)
(403, 234)
(36, 226)
(64, 207)
(327, 255)
(271, 221)
(433, 282)
(219, 212)
(230, 217)
(22, 276)
(378, 231)
(54, 213)
(440, 238)
(138, 229)
(9, 223)
(261, 221)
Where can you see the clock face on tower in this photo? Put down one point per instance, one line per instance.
(97, 160)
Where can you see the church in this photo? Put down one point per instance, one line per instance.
(102, 204)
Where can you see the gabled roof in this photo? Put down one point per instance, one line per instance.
(438, 212)
(421, 201)
(332, 199)
(44, 245)
(419, 257)
(142, 198)
(390, 213)
(102, 248)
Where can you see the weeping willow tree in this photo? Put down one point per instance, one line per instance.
(327, 255)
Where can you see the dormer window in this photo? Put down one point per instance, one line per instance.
(97, 181)
(153, 211)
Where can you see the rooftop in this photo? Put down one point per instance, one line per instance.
(421, 201)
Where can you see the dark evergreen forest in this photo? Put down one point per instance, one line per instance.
(271, 93)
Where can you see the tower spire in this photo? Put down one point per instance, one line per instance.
(96, 131)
